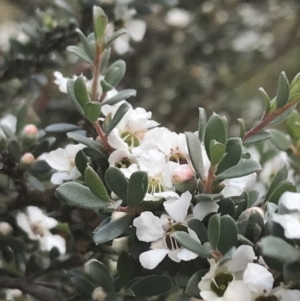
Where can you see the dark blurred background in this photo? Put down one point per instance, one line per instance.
(214, 54)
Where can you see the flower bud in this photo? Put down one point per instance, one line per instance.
(26, 160)
(99, 294)
(117, 214)
(29, 136)
(120, 244)
(5, 228)
(184, 179)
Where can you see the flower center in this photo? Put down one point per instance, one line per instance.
(170, 242)
(124, 163)
(37, 228)
(177, 157)
(220, 283)
(154, 186)
(130, 139)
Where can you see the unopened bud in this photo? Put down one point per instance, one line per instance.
(116, 215)
(26, 160)
(120, 244)
(5, 228)
(29, 136)
(184, 179)
(99, 294)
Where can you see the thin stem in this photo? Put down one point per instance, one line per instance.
(210, 179)
(267, 119)
(102, 135)
(96, 73)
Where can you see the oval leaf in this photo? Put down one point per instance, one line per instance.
(213, 230)
(124, 267)
(137, 188)
(117, 182)
(122, 95)
(92, 111)
(283, 91)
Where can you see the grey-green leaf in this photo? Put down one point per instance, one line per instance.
(81, 92)
(85, 43)
(111, 230)
(61, 128)
(80, 53)
(71, 93)
(85, 140)
(21, 118)
(213, 230)
(111, 39)
(83, 286)
(216, 152)
(117, 182)
(122, 95)
(92, 111)
(137, 188)
(122, 110)
(283, 91)
(202, 123)
(195, 152)
(14, 150)
(100, 23)
(261, 136)
(279, 190)
(191, 244)
(124, 267)
(80, 196)
(243, 168)
(95, 184)
(266, 99)
(115, 73)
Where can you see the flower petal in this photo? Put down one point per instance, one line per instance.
(237, 291)
(186, 255)
(148, 227)
(136, 29)
(290, 225)
(177, 209)
(210, 296)
(150, 259)
(203, 208)
(59, 177)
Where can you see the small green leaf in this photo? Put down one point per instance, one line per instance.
(79, 195)
(83, 286)
(266, 99)
(81, 92)
(213, 230)
(216, 152)
(215, 130)
(291, 272)
(279, 249)
(242, 127)
(293, 125)
(111, 230)
(202, 123)
(199, 228)
(279, 190)
(124, 267)
(100, 23)
(151, 286)
(283, 91)
(85, 140)
(234, 149)
(61, 128)
(281, 140)
(95, 184)
(81, 161)
(117, 182)
(192, 288)
(21, 118)
(281, 175)
(243, 168)
(195, 152)
(191, 244)
(261, 136)
(101, 276)
(114, 297)
(111, 39)
(86, 44)
(14, 150)
(80, 53)
(122, 110)
(282, 116)
(295, 85)
(122, 95)
(115, 73)
(92, 111)
(137, 188)
(71, 93)
(228, 234)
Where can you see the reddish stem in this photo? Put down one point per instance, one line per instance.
(210, 179)
(267, 119)
(103, 137)
(96, 73)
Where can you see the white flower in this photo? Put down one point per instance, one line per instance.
(289, 205)
(178, 17)
(9, 121)
(150, 228)
(36, 224)
(135, 28)
(223, 282)
(63, 160)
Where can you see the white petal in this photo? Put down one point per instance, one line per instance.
(241, 257)
(210, 296)
(49, 241)
(59, 177)
(258, 279)
(237, 291)
(136, 29)
(177, 209)
(148, 227)
(150, 259)
(72, 149)
(118, 155)
(203, 208)
(186, 255)
(58, 160)
(121, 45)
(23, 223)
(115, 140)
(166, 194)
(290, 225)
(290, 295)
(35, 214)
(290, 200)
(50, 222)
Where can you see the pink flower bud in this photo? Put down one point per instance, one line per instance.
(27, 158)
(30, 130)
(5, 228)
(182, 173)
